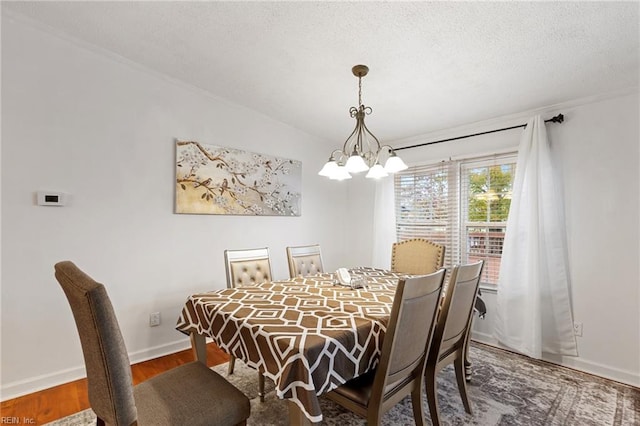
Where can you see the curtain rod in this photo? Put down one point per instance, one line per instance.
(557, 119)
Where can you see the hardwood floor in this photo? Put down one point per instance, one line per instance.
(61, 401)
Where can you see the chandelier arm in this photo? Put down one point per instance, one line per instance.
(333, 158)
(371, 154)
(372, 135)
(391, 151)
(360, 137)
(346, 142)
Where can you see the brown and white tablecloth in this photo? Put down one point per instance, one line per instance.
(309, 335)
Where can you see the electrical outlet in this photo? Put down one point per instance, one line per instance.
(577, 329)
(154, 319)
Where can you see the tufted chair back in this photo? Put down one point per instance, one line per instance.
(304, 260)
(417, 256)
(247, 267)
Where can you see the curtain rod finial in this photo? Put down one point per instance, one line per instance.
(557, 119)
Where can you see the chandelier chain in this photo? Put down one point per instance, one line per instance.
(359, 91)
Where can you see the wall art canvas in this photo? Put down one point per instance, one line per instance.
(217, 180)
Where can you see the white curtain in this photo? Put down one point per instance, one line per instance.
(533, 302)
(384, 223)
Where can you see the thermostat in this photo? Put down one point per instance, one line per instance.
(49, 198)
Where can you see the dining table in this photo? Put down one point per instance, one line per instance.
(308, 335)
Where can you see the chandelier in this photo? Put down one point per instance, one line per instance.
(362, 150)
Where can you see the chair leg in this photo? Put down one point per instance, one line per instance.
(462, 383)
(261, 384)
(373, 416)
(416, 402)
(467, 364)
(468, 372)
(432, 394)
(232, 364)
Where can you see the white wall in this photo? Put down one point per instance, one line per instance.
(597, 151)
(102, 130)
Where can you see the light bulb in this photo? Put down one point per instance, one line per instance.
(356, 164)
(340, 173)
(329, 168)
(377, 172)
(395, 164)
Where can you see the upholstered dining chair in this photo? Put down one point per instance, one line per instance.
(450, 338)
(247, 267)
(417, 256)
(190, 394)
(304, 260)
(404, 350)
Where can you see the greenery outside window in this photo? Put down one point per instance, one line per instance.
(462, 204)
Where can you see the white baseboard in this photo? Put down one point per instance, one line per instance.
(38, 383)
(158, 351)
(622, 376)
(576, 363)
(45, 381)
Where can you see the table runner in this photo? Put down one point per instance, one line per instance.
(309, 335)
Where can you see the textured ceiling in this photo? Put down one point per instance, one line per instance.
(433, 65)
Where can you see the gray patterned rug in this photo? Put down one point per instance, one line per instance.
(506, 389)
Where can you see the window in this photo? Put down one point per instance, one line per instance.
(462, 204)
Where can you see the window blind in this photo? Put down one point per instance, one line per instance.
(427, 200)
(462, 204)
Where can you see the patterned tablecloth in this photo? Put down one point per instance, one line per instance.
(309, 334)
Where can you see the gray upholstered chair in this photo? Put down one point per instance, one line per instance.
(190, 394)
(417, 256)
(247, 267)
(450, 338)
(404, 351)
(304, 260)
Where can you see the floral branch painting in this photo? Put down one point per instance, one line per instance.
(215, 180)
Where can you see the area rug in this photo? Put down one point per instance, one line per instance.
(505, 389)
